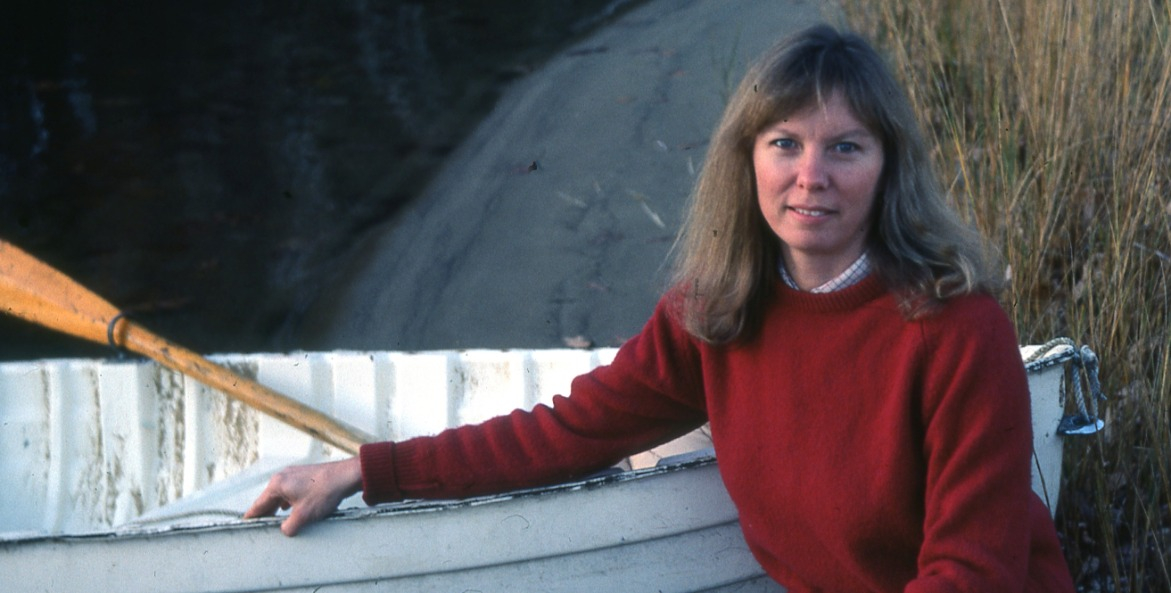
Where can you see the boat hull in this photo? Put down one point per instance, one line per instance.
(665, 529)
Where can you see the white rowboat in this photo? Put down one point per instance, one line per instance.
(122, 476)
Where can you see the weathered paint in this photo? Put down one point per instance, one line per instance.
(91, 444)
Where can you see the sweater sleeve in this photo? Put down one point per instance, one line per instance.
(977, 445)
(648, 395)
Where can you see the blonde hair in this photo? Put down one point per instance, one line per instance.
(727, 259)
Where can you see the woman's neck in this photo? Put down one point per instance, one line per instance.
(812, 274)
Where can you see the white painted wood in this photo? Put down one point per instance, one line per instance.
(25, 439)
(611, 534)
(1045, 388)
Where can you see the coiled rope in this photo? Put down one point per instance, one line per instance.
(1086, 420)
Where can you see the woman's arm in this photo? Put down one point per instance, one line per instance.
(647, 396)
(981, 527)
(650, 394)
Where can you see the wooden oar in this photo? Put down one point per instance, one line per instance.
(32, 290)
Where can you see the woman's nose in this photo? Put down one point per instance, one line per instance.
(811, 172)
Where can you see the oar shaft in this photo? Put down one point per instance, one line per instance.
(37, 292)
(137, 339)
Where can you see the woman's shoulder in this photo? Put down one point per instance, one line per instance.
(971, 319)
(979, 304)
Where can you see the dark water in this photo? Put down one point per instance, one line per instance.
(203, 164)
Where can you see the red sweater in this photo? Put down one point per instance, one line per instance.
(863, 451)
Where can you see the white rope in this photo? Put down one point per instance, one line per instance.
(1048, 347)
(168, 519)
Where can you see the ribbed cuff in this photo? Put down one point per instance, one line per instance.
(379, 483)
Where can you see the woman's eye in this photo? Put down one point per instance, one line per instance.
(785, 143)
(846, 147)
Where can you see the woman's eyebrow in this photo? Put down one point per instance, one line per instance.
(782, 129)
(854, 133)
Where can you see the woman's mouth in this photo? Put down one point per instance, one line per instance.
(813, 212)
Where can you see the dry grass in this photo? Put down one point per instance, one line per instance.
(1051, 122)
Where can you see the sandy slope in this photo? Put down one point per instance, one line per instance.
(555, 218)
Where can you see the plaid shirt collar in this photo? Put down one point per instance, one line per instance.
(851, 276)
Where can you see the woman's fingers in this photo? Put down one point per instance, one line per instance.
(312, 491)
(305, 514)
(266, 504)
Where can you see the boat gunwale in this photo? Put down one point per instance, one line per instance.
(598, 480)
(1058, 356)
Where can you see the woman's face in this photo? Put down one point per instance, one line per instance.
(817, 174)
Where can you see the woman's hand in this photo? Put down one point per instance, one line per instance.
(312, 491)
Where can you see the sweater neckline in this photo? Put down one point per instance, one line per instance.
(851, 297)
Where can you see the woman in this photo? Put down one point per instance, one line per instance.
(833, 321)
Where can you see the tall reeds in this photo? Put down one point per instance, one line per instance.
(1052, 122)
